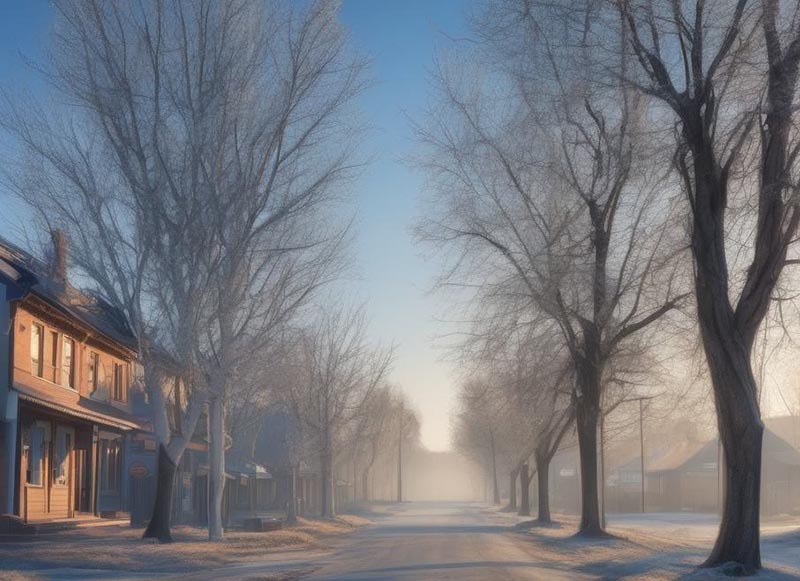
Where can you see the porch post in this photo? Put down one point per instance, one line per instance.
(11, 428)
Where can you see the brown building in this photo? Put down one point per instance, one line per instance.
(65, 373)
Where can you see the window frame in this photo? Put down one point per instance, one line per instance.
(118, 387)
(110, 473)
(93, 375)
(44, 428)
(68, 374)
(37, 365)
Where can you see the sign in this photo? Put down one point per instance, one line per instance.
(138, 470)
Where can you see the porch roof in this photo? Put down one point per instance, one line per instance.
(87, 410)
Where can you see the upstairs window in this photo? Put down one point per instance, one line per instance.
(37, 347)
(118, 383)
(52, 369)
(92, 372)
(68, 363)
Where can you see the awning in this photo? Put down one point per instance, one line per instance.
(81, 413)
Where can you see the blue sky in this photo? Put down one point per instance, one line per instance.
(400, 37)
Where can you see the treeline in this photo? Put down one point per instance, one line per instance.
(603, 173)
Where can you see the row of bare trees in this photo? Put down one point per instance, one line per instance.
(197, 155)
(596, 163)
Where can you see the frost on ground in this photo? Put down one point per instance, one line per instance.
(122, 549)
(658, 546)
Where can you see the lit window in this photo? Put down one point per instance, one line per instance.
(34, 447)
(63, 448)
(68, 364)
(37, 346)
(119, 382)
(52, 372)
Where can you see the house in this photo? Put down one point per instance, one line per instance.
(688, 477)
(250, 490)
(65, 372)
(277, 446)
(623, 476)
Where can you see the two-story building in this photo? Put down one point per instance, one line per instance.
(65, 372)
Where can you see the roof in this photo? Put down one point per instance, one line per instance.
(240, 467)
(774, 448)
(88, 308)
(787, 428)
(678, 455)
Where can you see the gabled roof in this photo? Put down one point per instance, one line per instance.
(787, 428)
(677, 456)
(774, 448)
(31, 275)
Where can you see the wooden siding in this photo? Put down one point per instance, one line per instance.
(25, 379)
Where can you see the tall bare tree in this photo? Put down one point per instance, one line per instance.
(543, 192)
(728, 72)
(203, 147)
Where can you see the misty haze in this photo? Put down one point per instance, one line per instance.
(399, 289)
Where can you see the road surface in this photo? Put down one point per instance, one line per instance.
(437, 541)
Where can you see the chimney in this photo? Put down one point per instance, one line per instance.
(58, 266)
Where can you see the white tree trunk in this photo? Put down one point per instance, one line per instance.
(216, 453)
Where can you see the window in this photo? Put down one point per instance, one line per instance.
(37, 346)
(68, 364)
(119, 382)
(110, 464)
(61, 460)
(52, 372)
(94, 367)
(34, 447)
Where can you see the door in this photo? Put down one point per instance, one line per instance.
(81, 492)
(61, 491)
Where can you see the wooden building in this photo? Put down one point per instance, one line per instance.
(687, 479)
(65, 373)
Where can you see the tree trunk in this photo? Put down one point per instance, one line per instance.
(728, 337)
(543, 481)
(291, 509)
(327, 491)
(159, 525)
(524, 490)
(587, 409)
(365, 485)
(216, 476)
(741, 433)
(512, 488)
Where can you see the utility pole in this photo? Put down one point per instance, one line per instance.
(400, 455)
(641, 401)
(641, 446)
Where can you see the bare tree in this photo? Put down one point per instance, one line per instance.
(732, 90)
(337, 373)
(203, 146)
(546, 198)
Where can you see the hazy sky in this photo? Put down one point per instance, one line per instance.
(400, 37)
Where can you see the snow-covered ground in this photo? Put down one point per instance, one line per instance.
(780, 537)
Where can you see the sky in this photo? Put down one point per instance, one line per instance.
(390, 273)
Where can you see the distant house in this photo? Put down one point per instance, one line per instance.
(249, 489)
(688, 478)
(65, 404)
(277, 446)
